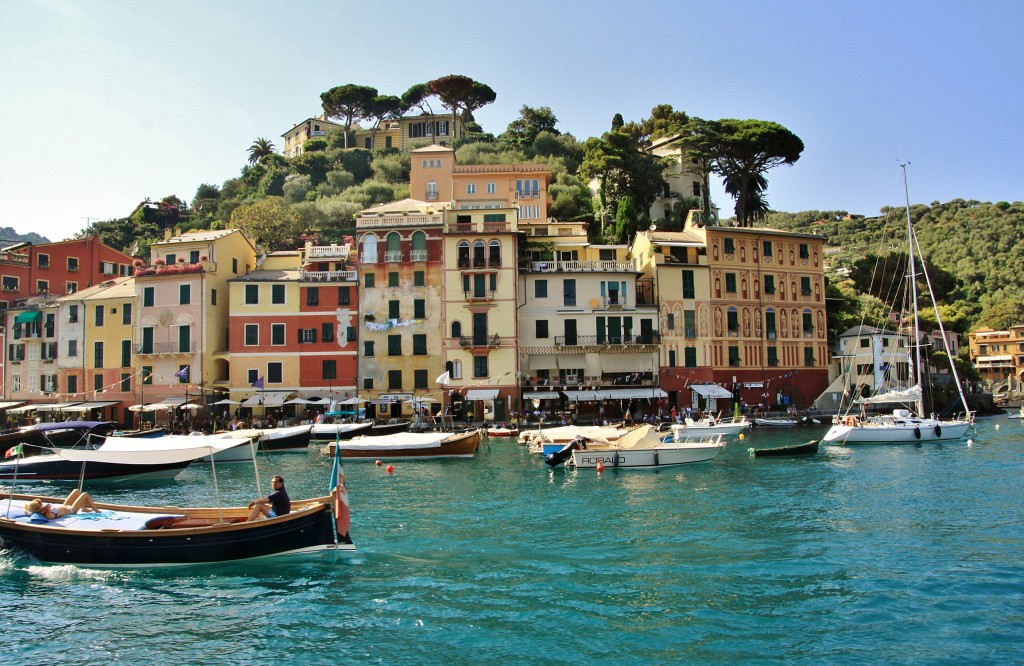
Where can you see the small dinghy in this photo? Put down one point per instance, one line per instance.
(806, 449)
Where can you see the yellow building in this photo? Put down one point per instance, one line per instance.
(411, 132)
(310, 128)
(998, 355)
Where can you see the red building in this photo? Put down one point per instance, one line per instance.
(57, 268)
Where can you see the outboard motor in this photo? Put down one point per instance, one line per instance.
(561, 455)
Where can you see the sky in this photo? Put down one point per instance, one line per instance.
(103, 103)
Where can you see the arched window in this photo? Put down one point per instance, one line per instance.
(394, 251)
(479, 258)
(419, 246)
(494, 253)
(456, 329)
(370, 249)
(463, 254)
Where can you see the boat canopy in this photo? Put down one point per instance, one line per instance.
(137, 456)
(911, 394)
(711, 390)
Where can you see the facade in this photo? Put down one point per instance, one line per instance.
(866, 356)
(998, 355)
(411, 132)
(401, 355)
(681, 181)
(310, 128)
(60, 268)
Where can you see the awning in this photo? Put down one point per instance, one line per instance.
(267, 398)
(541, 395)
(55, 407)
(28, 317)
(711, 390)
(481, 394)
(7, 404)
(21, 410)
(633, 393)
(86, 406)
(581, 396)
(626, 362)
(168, 403)
(542, 362)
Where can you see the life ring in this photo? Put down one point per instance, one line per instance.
(917, 432)
(938, 431)
(851, 421)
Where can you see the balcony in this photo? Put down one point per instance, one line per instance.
(328, 276)
(393, 256)
(581, 267)
(607, 341)
(166, 348)
(430, 196)
(327, 251)
(417, 255)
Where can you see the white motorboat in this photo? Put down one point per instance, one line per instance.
(645, 447)
(709, 426)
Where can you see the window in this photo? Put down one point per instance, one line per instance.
(350, 333)
(395, 380)
(252, 294)
(367, 383)
(184, 294)
(769, 324)
(10, 283)
(185, 339)
(312, 295)
(419, 279)
(690, 357)
(327, 332)
(809, 356)
(769, 284)
(865, 343)
(193, 257)
(148, 296)
(253, 375)
(419, 379)
(670, 322)
(805, 251)
(805, 286)
(540, 289)
(808, 323)
(392, 278)
(730, 283)
(99, 315)
(479, 366)
(368, 280)
(252, 335)
(277, 294)
(72, 384)
(542, 328)
(43, 260)
(394, 309)
(368, 348)
(344, 296)
(72, 347)
(126, 314)
(394, 345)
(277, 334)
(766, 248)
(72, 264)
(773, 356)
(171, 259)
(73, 314)
(419, 308)
(98, 354)
(275, 373)
(126, 353)
(329, 369)
(734, 356)
(733, 321)
(42, 286)
(471, 188)
(70, 287)
(492, 188)
(419, 344)
(97, 382)
(688, 284)
(307, 335)
(730, 245)
(569, 292)
(147, 340)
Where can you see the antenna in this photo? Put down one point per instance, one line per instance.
(262, 258)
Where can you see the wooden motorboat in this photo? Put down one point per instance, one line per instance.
(772, 422)
(644, 447)
(410, 445)
(806, 449)
(504, 431)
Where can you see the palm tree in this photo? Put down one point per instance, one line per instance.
(260, 149)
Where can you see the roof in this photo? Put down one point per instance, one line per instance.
(761, 231)
(269, 276)
(198, 236)
(433, 148)
(122, 287)
(406, 206)
(312, 120)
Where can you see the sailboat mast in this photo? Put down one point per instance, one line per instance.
(913, 295)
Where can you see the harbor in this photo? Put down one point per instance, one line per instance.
(871, 553)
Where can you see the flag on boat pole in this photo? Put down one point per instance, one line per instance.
(14, 451)
(339, 493)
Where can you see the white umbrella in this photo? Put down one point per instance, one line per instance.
(301, 401)
(226, 401)
(143, 408)
(189, 405)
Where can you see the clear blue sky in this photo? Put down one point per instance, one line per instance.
(106, 103)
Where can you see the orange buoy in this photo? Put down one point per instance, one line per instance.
(390, 469)
(600, 466)
(378, 463)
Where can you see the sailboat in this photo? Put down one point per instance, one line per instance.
(907, 424)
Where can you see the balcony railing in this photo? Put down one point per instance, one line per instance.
(166, 348)
(582, 267)
(333, 250)
(417, 255)
(431, 196)
(593, 340)
(393, 256)
(328, 276)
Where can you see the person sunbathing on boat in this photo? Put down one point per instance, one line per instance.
(76, 502)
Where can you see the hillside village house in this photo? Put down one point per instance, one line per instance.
(998, 355)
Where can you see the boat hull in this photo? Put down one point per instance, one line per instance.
(329, 432)
(461, 445)
(202, 539)
(806, 449)
(666, 456)
(912, 433)
(54, 468)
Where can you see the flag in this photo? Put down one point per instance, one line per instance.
(339, 495)
(14, 451)
(182, 374)
(258, 383)
(444, 380)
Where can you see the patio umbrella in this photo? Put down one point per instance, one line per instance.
(143, 408)
(189, 405)
(226, 401)
(301, 401)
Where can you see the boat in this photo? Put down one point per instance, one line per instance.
(286, 438)
(52, 435)
(907, 424)
(140, 536)
(503, 431)
(221, 447)
(709, 426)
(805, 449)
(1018, 415)
(128, 465)
(409, 445)
(643, 447)
(774, 422)
(547, 440)
(148, 433)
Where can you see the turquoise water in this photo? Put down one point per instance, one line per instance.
(900, 554)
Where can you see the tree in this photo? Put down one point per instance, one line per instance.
(746, 149)
(1003, 315)
(348, 103)
(269, 221)
(461, 93)
(381, 108)
(523, 131)
(622, 168)
(696, 141)
(625, 219)
(259, 150)
(417, 97)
